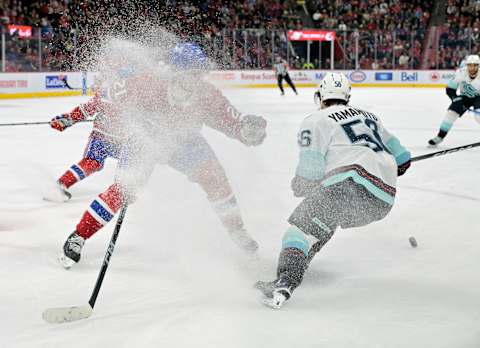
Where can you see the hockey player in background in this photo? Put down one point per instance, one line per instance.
(170, 112)
(347, 171)
(464, 91)
(281, 70)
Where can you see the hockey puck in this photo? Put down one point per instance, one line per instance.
(413, 242)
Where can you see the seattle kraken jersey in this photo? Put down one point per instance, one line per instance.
(465, 85)
(342, 142)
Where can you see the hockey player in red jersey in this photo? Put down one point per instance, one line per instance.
(176, 116)
(104, 141)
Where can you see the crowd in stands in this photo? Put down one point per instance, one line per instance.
(371, 34)
(461, 33)
(54, 37)
(225, 27)
(237, 33)
(390, 33)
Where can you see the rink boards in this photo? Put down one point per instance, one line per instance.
(50, 84)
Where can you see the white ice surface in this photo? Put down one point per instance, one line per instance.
(175, 279)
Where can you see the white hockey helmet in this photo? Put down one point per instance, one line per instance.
(472, 59)
(334, 86)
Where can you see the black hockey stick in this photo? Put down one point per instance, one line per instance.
(33, 123)
(445, 152)
(70, 87)
(68, 314)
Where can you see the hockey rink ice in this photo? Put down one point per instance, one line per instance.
(176, 280)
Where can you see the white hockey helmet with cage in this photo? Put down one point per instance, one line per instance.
(334, 86)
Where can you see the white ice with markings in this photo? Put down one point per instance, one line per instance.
(176, 280)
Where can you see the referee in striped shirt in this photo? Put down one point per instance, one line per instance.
(281, 69)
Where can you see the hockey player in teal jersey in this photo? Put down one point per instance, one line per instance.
(464, 91)
(347, 174)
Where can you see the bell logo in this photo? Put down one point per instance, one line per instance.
(409, 77)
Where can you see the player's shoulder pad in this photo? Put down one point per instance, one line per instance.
(316, 119)
(314, 116)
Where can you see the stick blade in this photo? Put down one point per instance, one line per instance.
(67, 314)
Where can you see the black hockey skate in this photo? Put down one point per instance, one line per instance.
(435, 141)
(275, 293)
(71, 250)
(438, 139)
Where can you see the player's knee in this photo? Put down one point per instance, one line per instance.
(312, 222)
(457, 107)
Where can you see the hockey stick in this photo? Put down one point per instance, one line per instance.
(68, 314)
(70, 87)
(445, 152)
(33, 123)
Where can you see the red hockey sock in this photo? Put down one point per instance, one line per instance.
(80, 171)
(68, 179)
(100, 212)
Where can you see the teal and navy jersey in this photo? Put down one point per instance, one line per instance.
(465, 85)
(341, 142)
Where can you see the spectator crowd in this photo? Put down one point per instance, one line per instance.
(371, 34)
(460, 34)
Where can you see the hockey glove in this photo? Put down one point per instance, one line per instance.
(252, 130)
(61, 122)
(301, 186)
(452, 93)
(401, 169)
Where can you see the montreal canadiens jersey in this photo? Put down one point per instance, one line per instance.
(163, 105)
(342, 142)
(465, 85)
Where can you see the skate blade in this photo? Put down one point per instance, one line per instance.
(65, 261)
(56, 198)
(276, 302)
(265, 287)
(57, 195)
